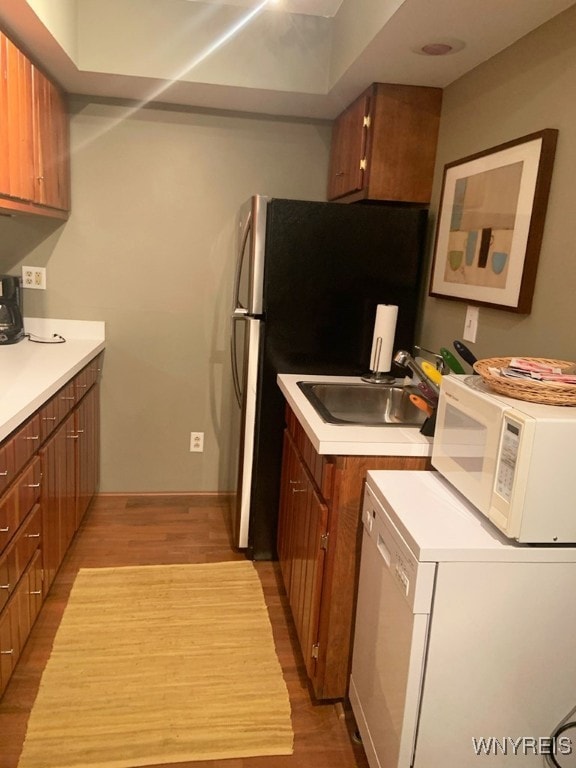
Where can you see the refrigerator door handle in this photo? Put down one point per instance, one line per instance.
(234, 356)
(240, 262)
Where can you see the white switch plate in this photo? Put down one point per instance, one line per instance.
(471, 324)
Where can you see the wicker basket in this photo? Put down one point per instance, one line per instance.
(548, 393)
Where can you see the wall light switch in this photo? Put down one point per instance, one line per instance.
(471, 324)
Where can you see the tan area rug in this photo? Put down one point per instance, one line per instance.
(160, 664)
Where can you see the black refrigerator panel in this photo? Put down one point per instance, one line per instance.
(327, 267)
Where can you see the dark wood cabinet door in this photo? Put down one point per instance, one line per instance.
(301, 547)
(348, 149)
(16, 135)
(51, 179)
(87, 451)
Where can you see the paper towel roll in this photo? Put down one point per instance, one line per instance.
(383, 339)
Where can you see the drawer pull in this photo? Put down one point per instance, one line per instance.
(32, 535)
(48, 418)
(5, 586)
(298, 490)
(7, 653)
(5, 530)
(4, 473)
(33, 437)
(81, 386)
(68, 397)
(72, 437)
(33, 485)
(35, 592)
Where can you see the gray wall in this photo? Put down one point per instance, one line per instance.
(149, 250)
(528, 87)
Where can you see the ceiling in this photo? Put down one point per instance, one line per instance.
(301, 58)
(325, 8)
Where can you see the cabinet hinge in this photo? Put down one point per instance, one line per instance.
(315, 650)
(366, 121)
(363, 164)
(324, 541)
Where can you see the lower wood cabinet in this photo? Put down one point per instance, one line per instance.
(53, 460)
(319, 541)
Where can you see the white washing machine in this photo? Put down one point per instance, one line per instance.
(465, 642)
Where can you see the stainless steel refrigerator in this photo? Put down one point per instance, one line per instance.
(309, 276)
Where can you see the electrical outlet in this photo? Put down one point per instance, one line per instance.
(197, 442)
(34, 277)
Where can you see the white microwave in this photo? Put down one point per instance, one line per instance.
(515, 461)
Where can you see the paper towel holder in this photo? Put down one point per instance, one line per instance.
(375, 376)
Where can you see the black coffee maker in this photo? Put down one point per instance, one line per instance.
(11, 322)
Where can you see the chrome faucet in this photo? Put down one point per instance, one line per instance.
(405, 359)
(438, 359)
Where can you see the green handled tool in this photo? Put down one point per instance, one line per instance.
(451, 361)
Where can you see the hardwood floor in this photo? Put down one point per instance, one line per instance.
(140, 530)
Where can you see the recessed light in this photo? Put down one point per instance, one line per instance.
(439, 48)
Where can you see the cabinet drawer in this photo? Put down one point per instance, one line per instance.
(9, 519)
(26, 442)
(29, 597)
(320, 467)
(9, 643)
(29, 488)
(66, 400)
(8, 575)
(7, 464)
(29, 539)
(49, 417)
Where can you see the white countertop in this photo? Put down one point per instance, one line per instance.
(337, 439)
(30, 373)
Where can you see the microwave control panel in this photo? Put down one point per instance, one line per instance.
(508, 457)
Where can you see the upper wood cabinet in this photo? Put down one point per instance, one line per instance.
(51, 145)
(16, 123)
(384, 145)
(34, 139)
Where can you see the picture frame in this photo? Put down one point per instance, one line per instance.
(491, 222)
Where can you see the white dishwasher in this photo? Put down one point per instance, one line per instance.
(464, 641)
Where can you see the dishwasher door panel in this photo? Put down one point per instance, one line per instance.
(389, 652)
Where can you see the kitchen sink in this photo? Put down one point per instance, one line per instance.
(367, 405)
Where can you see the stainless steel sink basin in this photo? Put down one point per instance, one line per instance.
(371, 405)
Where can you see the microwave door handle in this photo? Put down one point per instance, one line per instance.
(240, 261)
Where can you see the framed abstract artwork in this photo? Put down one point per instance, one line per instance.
(491, 222)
